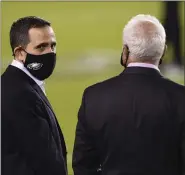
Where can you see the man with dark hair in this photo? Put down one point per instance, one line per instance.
(32, 141)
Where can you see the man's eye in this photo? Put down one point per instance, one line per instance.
(53, 47)
(41, 47)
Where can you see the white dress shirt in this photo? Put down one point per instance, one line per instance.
(143, 65)
(20, 66)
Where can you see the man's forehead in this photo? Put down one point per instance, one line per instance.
(44, 34)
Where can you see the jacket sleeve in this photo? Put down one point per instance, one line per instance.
(35, 139)
(183, 148)
(85, 159)
(181, 112)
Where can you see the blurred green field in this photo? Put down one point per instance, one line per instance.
(89, 42)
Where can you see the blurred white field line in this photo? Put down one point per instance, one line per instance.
(93, 61)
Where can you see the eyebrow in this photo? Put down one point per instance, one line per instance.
(45, 44)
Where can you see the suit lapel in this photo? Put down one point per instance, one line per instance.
(42, 95)
(62, 142)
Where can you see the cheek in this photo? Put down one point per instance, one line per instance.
(34, 51)
(30, 49)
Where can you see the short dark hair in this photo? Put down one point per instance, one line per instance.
(19, 35)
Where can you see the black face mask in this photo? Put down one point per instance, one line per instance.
(40, 66)
(121, 61)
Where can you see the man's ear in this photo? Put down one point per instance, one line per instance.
(164, 52)
(125, 55)
(19, 54)
(16, 51)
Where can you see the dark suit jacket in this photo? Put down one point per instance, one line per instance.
(132, 124)
(32, 142)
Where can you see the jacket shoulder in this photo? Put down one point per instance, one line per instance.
(15, 91)
(103, 85)
(171, 85)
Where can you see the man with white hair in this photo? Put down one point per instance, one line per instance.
(145, 37)
(134, 123)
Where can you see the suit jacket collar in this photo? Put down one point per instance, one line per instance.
(20, 65)
(141, 70)
(136, 64)
(42, 95)
(18, 73)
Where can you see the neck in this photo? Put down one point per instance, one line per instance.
(131, 60)
(18, 60)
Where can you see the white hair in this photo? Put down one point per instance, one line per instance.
(145, 37)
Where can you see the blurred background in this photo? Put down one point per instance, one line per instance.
(89, 45)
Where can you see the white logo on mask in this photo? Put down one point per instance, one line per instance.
(34, 66)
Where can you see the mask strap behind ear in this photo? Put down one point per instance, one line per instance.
(127, 56)
(121, 60)
(161, 60)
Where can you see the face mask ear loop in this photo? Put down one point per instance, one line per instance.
(127, 56)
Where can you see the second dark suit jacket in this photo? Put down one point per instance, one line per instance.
(32, 142)
(131, 124)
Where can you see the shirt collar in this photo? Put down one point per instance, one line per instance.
(20, 65)
(143, 65)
